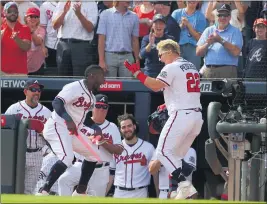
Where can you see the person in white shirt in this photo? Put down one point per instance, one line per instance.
(131, 175)
(46, 12)
(31, 108)
(75, 22)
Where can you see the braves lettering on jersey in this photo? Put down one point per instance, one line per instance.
(110, 133)
(24, 111)
(78, 102)
(132, 165)
(183, 85)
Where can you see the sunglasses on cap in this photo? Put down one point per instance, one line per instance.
(103, 106)
(223, 15)
(33, 89)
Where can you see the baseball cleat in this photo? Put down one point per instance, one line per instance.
(185, 190)
(42, 193)
(78, 194)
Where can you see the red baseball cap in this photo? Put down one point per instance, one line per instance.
(260, 21)
(33, 12)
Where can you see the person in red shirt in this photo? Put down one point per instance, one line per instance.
(15, 42)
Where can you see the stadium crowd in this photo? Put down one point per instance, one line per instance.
(223, 39)
(63, 38)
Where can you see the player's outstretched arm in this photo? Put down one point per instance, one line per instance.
(58, 106)
(113, 148)
(149, 82)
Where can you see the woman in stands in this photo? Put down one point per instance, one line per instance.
(36, 55)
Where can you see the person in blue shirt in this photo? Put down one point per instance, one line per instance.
(192, 23)
(149, 43)
(220, 45)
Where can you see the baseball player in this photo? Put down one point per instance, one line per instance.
(71, 106)
(31, 108)
(131, 175)
(180, 82)
(100, 178)
(188, 167)
(49, 160)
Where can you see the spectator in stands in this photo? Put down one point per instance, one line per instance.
(15, 42)
(46, 13)
(118, 32)
(75, 22)
(23, 6)
(145, 13)
(36, 55)
(172, 27)
(102, 6)
(192, 23)
(220, 45)
(2, 10)
(149, 43)
(256, 51)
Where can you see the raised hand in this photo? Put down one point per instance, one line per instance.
(67, 6)
(77, 8)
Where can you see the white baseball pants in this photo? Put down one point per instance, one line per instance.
(63, 144)
(177, 136)
(70, 178)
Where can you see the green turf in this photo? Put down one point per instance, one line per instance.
(58, 199)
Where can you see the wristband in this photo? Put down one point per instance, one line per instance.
(141, 77)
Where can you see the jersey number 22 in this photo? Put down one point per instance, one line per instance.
(193, 82)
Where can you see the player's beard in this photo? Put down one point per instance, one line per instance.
(129, 136)
(35, 99)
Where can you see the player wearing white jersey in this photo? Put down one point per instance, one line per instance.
(31, 108)
(165, 181)
(132, 176)
(48, 161)
(71, 106)
(98, 183)
(180, 82)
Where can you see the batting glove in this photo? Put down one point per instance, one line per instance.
(135, 69)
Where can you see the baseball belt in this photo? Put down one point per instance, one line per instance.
(97, 165)
(130, 189)
(164, 190)
(34, 150)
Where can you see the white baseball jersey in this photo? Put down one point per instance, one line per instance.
(183, 85)
(190, 158)
(46, 13)
(110, 133)
(78, 102)
(40, 112)
(48, 161)
(132, 165)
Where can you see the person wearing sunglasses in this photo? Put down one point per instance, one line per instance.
(36, 55)
(15, 42)
(180, 82)
(220, 44)
(31, 108)
(98, 183)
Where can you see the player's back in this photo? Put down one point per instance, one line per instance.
(183, 85)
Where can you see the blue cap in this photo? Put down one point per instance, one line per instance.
(32, 82)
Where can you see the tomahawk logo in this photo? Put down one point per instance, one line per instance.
(102, 99)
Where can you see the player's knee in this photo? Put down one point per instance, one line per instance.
(62, 180)
(68, 160)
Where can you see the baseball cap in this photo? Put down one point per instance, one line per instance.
(260, 21)
(33, 12)
(32, 82)
(166, 3)
(9, 5)
(225, 7)
(101, 99)
(158, 17)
